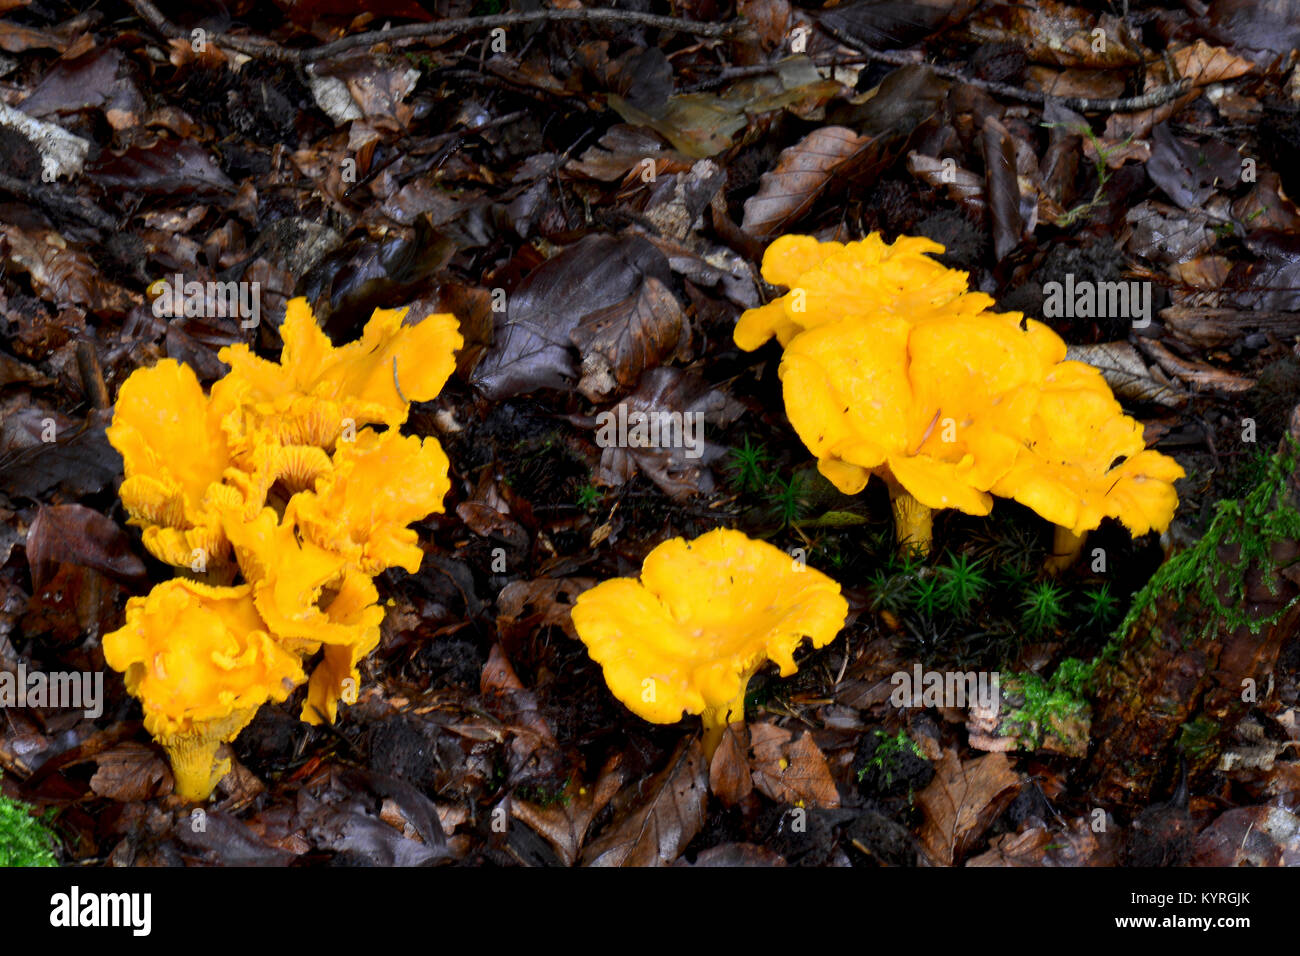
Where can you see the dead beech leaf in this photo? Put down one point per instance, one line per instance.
(1125, 372)
(961, 801)
(660, 825)
(129, 772)
(75, 534)
(621, 341)
(533, 347)
(729, 775)
(791, 771)
(680, 471)
(803, 172)
(1250, 836)
(1204, 64)
(59, 274)
(960, 185)
(541, 602)
(1196, 374)
(564, 823)
(735, 854)
(1040, 845)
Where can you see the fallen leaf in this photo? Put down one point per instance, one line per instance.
(961, 801)
(75, 534)
(565, 822)
(1250, 836)
(131, 771)
(730, 779)
(790, 771)
(660, 825)
(621, 341)
(803, 172)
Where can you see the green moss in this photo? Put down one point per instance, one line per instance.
(1251, 526)
(24, 839)
(1197, 736)
(1050, 706)
(886, 759)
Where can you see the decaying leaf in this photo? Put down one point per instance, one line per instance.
(662, 823)
(961, 801)
(791, 770)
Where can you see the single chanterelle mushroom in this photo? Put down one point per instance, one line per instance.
(703, 618)
(933, 405)
(1084, 460)
(201, 662)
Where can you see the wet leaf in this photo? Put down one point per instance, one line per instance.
(1250, 836)
(662, 823)
(75, 534)
(802, 173)
(565, 822)
(961, 801)
(789, 770)
(730, 778)
(533, 347)
(167, 167)
(131, 771)
(621, 341)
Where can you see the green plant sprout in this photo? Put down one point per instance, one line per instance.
(927, 593)
(748, 464)
(961, 582)
(1083, 210)
(1043, 607)
(1100, 605)
(588, 496)
(888, 753)
(24, 839)
(788, 500)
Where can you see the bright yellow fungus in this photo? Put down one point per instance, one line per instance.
(892, 367)
(830, 281)
(202, 661)
(703, 618)
(200, 476)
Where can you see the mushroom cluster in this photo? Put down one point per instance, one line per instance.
(893, 367)
(703, 618)
(278, 501)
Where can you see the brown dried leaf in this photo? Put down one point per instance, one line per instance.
(803, 172)
(730, 779)
(75, 534)
(656, 830)
(1127, 374)
(131, 771)
(1040, 845)
(564, 823)
(961, 801)
(1204, 64)
(618, 343)
(791, 771)
(1250, 836)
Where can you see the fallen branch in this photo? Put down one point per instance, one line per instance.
(440, 28)
(1129, 104)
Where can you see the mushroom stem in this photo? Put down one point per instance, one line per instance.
(1066, 547)
(913, 521)
(193, 753)
(717, 719)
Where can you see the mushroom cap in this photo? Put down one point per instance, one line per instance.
(174, 452)
(1084, 460)
(377, 485)
(704, 616)
(830, 281)
(932, 402)
(306, 397)
(195, 654)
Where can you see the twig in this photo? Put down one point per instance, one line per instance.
(55, 200)
(440, 28)
(1129, 104)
